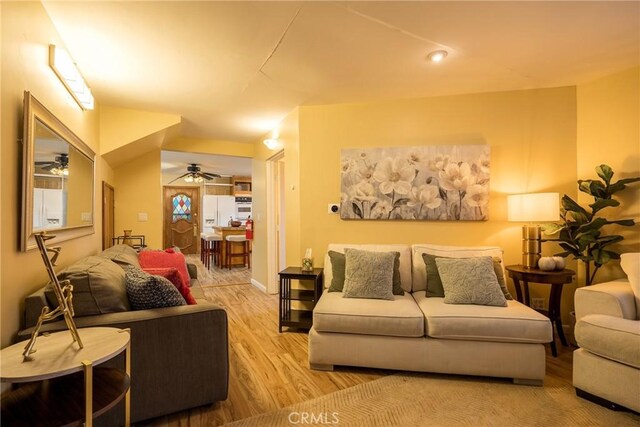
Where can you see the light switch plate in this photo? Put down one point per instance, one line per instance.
(143, 216)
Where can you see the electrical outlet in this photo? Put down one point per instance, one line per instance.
(537, 303)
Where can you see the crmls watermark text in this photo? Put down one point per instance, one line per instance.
(313, 418)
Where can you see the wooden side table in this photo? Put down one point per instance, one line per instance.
(61, 377)
(554, 278)
(298, 318)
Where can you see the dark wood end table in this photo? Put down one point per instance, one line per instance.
(294, 318)
(556, 279)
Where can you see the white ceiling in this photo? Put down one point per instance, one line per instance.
(232, 70)
(174, 163)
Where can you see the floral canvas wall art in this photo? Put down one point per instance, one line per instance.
(431, 182)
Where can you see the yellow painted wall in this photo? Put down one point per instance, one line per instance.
(121, 126)
(531, 135)
(290, 138)
(210, 146)
(138, 188)
(609, 133)
(260, 212)
(26, 33)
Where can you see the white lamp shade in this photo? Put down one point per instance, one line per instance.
(533, 207)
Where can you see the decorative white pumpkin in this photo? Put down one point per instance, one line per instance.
(546, 263)
(560, 262)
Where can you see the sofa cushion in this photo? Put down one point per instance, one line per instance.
(610, 337)
(514, 323)
(404, 268)
(98, 287)
(122, 255)
(368, 274)
(630, 263)
(338, 266)
(470, 281)
(146, 291)
(419, 274)
(400, 317)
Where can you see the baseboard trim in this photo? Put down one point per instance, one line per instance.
(259, 285)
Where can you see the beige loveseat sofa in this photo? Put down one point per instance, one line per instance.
(606, 367)
(416, 333)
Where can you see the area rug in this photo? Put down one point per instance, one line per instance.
(437, 400)
(220, 276)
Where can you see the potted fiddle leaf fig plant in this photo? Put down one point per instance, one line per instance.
(581, 231)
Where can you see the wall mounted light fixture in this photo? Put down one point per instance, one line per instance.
(66, 70)
(273, 143)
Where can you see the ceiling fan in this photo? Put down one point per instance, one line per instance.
(194, 174)
(59, 166)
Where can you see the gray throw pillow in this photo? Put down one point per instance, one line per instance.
(338, 267)
(368, 274)
(98, 287)
(434, 282)
(470, 281)
(146, 291)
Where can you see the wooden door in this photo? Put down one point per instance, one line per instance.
(181, 218)
(108, 214)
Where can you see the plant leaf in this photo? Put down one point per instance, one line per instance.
(605, 172)
(596, 224)
(623, 222)
(571, 206)
(551, 229)
(621, 184)
(603, 203)
(562, 254)
(608, 240)
(570, 248)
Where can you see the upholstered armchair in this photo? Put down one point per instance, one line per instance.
(606, 367)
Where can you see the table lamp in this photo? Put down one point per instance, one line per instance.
(533, 208)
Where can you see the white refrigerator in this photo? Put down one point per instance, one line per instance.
(217, 211)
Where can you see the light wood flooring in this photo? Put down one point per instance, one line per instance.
(269, 371)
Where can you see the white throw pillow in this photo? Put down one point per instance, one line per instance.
(630, 264)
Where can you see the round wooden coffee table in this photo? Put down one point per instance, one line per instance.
(59, 374)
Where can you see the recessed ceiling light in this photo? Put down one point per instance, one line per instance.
(437, 55)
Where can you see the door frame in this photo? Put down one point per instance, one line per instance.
(105, 216)
(275, 205)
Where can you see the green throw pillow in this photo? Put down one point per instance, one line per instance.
(338, 268)
(368, 274)
(434, 282)
(470, 281)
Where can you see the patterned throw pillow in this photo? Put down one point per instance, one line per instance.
(470, 281)
(434, 282)
(338, 271)
(146, 291)
(368, 274)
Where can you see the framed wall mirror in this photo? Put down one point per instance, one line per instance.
(58, 178)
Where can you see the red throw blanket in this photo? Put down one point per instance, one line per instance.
(162, 263)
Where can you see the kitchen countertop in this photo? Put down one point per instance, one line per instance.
(229, 228)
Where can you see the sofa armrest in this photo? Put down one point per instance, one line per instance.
(33, 305)
(179, 355)
(193, 270)
(613, 298)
